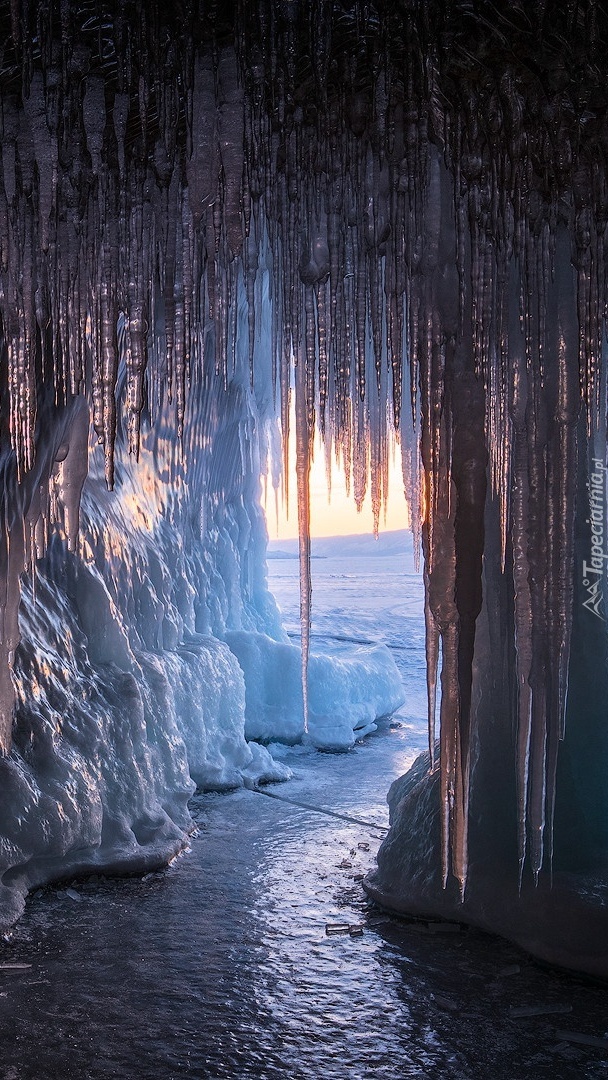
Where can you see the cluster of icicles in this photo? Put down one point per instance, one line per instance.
(437, 265)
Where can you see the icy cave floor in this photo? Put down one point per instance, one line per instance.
(222, 965)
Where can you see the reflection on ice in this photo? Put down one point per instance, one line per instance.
(221, 966)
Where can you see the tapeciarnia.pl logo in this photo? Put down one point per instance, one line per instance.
(594, 570)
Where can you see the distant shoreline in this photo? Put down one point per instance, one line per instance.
(355, 545)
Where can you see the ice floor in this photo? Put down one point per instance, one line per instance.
(221, 966)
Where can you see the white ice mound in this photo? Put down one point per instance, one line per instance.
(347, 691)
(208, 691)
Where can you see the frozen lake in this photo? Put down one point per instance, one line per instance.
(222, 966)
(364, 591)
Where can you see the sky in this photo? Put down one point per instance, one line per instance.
(337, 516)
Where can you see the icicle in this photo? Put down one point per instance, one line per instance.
(169, 280)
(250, 273)
(179, 350)
(321, 296)
(432, 660)
(360, 324)
(72, 469)
(537, 577)
(16, 22)
(303, 482)
(12, 563)
(45, 149)
(442, 618)
(137, 350)
(562, 501)
(361, 458)
(188, 279)
(231, 124)
(202, 167)
(310, 346)
(94, 117)
(120, 114)
(26, 356)
(522, 600)
(108, 355)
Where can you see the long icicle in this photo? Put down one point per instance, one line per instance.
(303, 493)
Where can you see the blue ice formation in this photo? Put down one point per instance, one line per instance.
(131, 674)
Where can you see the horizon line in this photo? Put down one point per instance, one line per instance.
(340, 536)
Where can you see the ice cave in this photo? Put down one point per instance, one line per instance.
(392, 215)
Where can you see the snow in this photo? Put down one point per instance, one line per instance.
(367, 602)
(346, 693)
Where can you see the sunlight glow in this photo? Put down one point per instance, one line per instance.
(336, 515)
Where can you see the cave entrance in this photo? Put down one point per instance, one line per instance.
(366, 671)
(367, 615)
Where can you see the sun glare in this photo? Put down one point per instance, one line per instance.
(336, 514)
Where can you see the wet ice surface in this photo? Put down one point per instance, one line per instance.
(221, 967)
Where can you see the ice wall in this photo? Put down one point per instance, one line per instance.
(131, 611)
(126, 692)
(130, 675)
(402, 209)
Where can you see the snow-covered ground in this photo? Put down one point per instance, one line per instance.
(366, 592)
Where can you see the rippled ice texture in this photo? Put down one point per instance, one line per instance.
(221, 967)
(127, 690)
